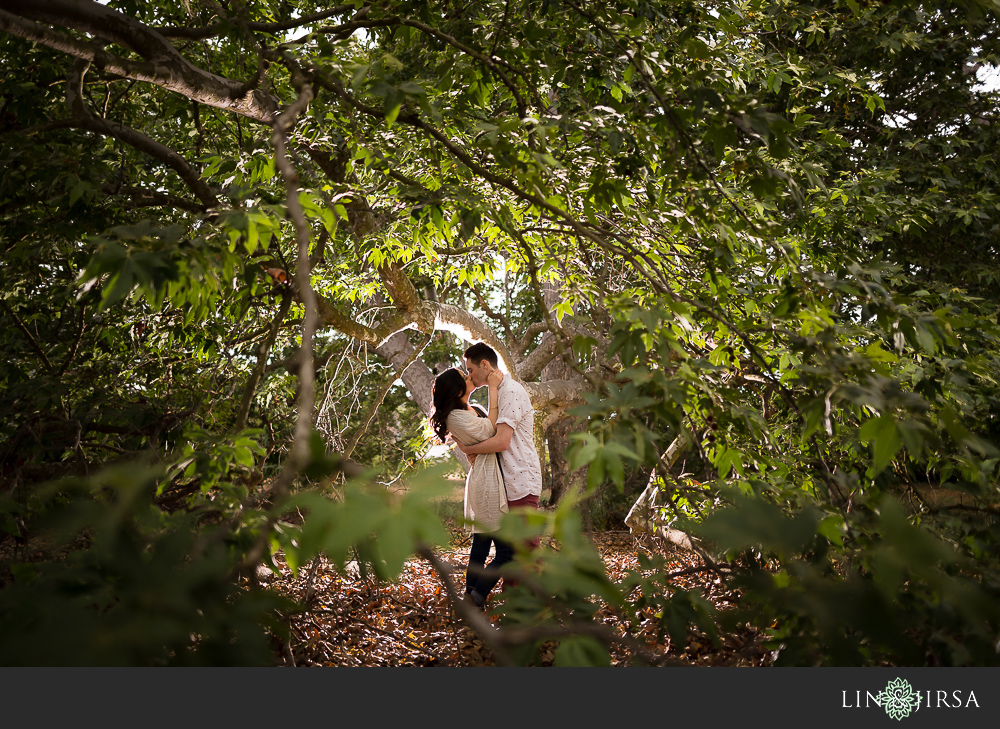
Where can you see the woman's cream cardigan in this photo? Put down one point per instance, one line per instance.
(485, 497)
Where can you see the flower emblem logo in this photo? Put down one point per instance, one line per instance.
(898, 699)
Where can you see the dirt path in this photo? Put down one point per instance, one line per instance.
(356, 622)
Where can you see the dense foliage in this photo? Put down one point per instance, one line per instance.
(742, 250)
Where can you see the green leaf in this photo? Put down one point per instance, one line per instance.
(581, 650)
(729, 459)
(412, 88)
(252, 237)
(358, 77)
(595, 474)
(79, 190)
(885, 439)
(583, 450)
(392, 110)
(119, 287)
(875, 352)
(833, 528)
(754, 522)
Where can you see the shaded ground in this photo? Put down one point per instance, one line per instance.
(352, 621)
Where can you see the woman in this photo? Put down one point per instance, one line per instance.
(485, 496)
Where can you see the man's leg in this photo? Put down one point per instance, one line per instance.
(526, 502)
(488, 580)
(478, 553)
(530, 501)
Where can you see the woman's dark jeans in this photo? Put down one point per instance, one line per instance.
(484, 579)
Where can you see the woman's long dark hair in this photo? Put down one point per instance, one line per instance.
(449, 388)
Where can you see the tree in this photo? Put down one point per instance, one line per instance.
(741, 206)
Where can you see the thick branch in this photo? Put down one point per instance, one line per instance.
(416, 375)
(530, 333)
(334, 317)
(85, 119)
(210, 31)
(470, 328)
(377, 402)
(163, 66)
(555, 393)
(401, 290)
(140, 198)
(532, 365)
(644, 515)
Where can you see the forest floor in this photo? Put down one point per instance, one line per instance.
(353, 621)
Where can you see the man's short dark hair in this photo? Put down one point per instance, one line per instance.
(480, 351)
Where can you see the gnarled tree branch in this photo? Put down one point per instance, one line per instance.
(83, 118)
(163, 65)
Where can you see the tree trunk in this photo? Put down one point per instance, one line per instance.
(418, 378)
(558, 477)
(644, 516)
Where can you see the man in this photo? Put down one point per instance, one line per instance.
(514, 441)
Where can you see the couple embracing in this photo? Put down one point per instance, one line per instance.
(506, 472)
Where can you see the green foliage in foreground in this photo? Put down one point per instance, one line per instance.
(858, 519)
(122, 583)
